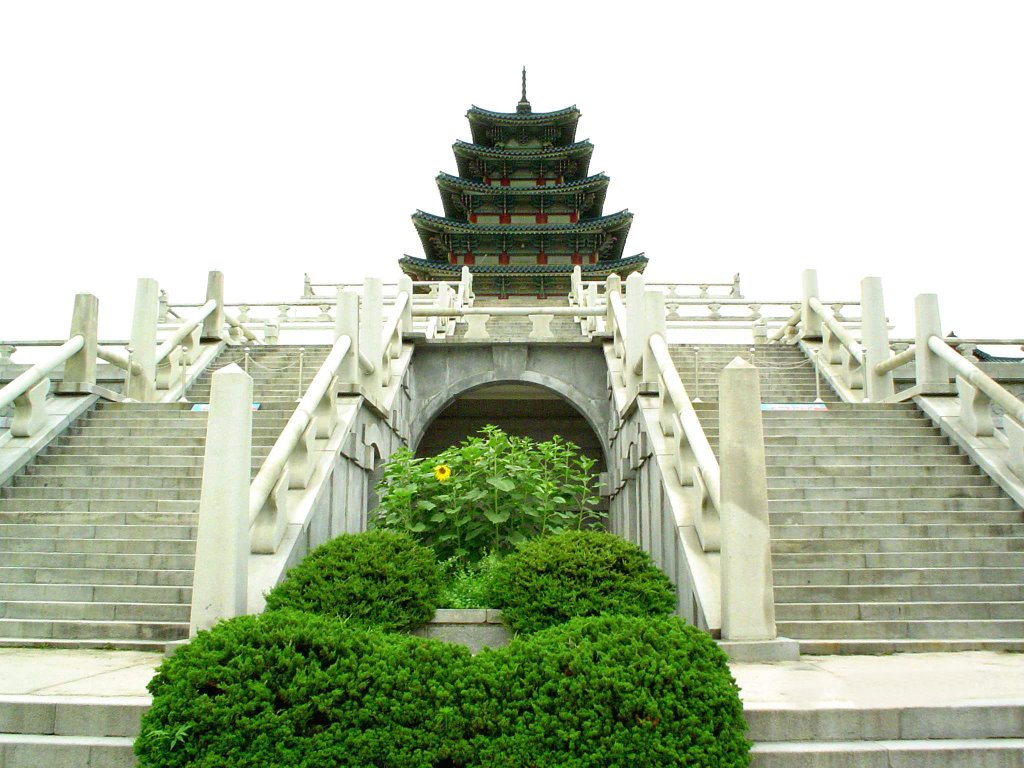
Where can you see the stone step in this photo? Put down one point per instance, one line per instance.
(123, 576)
(895, 459)
(897, 559)
(184, 519)
(888, 593)
(944, 629)
(152, 453)
(914, 517)
(896, 577)
(141, 561)
(100, 443)
(96, 593)
(964, 473)
(11, 495)
(108, 546)
(796, 723)
(880, 452)
(100, 472)
(9, 506)
(883, 504)
(808, 482)
(73, 531)
(94, 480)
(87, 611)
(931, 531)
(874, 647)
(66, 715)
(934, 611)
(888, 753)
(93, 630)
(922, 489)
(99, 432)
(972, 544)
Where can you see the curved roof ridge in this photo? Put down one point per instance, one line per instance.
(526, 117)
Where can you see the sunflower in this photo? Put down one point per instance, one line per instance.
(442, 472)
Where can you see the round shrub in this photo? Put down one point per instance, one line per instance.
(295, 690)
(374, 579)
(608, 690)
(552, 579)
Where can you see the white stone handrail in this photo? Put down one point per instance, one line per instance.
(184, 330)
(896, 361)
(273, 478)
(679, 420)
(837, 330)
(966, 370)
(118, 360)
(41, 371)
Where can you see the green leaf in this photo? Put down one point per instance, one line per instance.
(503, 484)
(417, 527)
(497, 517)
(426, 504)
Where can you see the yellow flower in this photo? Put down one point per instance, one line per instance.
(442, 472)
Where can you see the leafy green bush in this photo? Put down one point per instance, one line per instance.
(294, 690)
(552, 579)
(611, 690)
(468, 585)
(489, 493)
(376, 579)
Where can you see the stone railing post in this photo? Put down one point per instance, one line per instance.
(213, 325)
(875, 340)
(371, 332)
(748, 603)
(810, 321)
(467, 280)
(142, 386)
(636, 338)
(653, 322)
(80, 369)
(405, 285)
(346, 323)
(220, 585)
(932, 371)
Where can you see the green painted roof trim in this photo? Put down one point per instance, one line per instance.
(578, 149)
(559, 115)
(613, 265)
(612, 222)
(596, 181)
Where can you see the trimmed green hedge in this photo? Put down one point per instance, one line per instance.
(641, 692)
(294, 690)
(552, 579)
(375, 579)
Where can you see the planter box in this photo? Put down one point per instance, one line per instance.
(474, 628)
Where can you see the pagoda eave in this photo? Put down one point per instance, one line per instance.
(441, 224)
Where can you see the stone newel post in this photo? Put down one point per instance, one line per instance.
(220, 586)
(748, 601)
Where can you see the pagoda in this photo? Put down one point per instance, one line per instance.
(523, 210)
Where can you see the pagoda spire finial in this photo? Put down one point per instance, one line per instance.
(524, 106)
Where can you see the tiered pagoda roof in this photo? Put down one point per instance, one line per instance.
(523, 210)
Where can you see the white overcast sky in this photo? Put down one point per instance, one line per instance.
(271, 139)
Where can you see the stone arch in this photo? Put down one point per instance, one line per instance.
(435, 404)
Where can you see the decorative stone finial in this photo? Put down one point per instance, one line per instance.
(523, 107)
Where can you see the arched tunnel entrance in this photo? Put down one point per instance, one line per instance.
(526, 410)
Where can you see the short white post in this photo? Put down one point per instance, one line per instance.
(932, 370)
(81, 367)
(748, 602)
(874, 340)
(220, 585)
(346, 323)
(636, 338)
(371, 332)
(142, 385)
(810, 322)
(213, 325)
(653, 322)
(405, 286)
(467, 280)
(1015, 441)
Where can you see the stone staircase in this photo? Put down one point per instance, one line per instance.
(785, 373)
(70, 730)
(97, 535)
(980, 735)
(885, 537)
